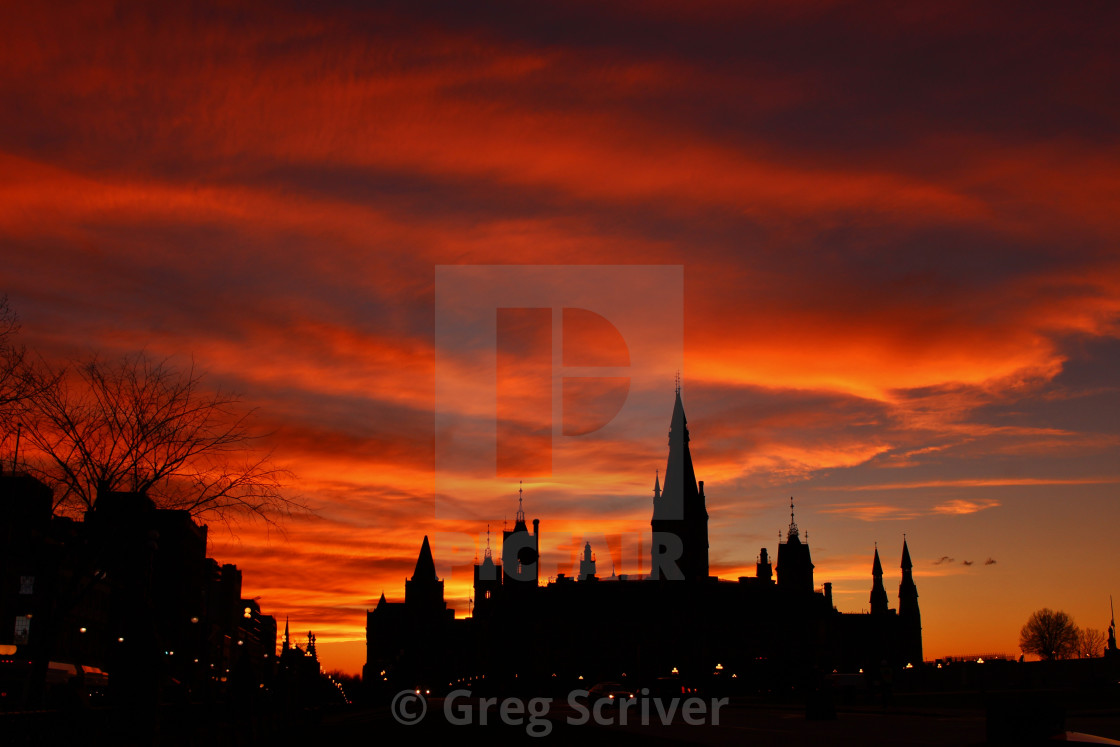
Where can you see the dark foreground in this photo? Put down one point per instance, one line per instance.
(742, 721)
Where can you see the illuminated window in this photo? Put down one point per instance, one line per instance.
(26, 584)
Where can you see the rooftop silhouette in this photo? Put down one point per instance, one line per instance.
(676, 618)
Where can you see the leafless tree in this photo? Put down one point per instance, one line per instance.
(148, 426)
(13, 378)
(1090, 643)
(1049, 635)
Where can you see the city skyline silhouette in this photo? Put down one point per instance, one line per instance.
(890, 282)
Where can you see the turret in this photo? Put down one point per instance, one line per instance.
(487, 581)
(521, 550)
(910, 618)
(423, 593)
(878, 591)
(763, 571)
(587, 564)
(795, 565)
(679, 549)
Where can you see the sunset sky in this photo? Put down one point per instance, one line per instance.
(896, 226)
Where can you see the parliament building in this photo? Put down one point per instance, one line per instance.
(767, 630)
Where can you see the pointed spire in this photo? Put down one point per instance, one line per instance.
(487, 553)
(907, 590)
(679, 489)
(679, 423)
(680, 509)
(910, 617)
(380, 602)
(425, 565)
(287, 639)
(519, 520)
(656, 484)
(878, 591)
(792, 524)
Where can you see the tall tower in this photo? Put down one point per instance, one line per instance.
(795, 566)
(521, 551)
(487, 581)
(909, 617)
(878, 591)
(680, 518)
(587, 564)
(423, 593)
(762, 569)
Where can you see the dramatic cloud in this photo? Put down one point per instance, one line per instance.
(896, 224)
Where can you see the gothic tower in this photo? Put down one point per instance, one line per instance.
(762, 569)
(487, 582)
(909, 617)
(587, 564)
(423, 593)
(680, 519)
(878, 591)
(795, 566)
(521, 551)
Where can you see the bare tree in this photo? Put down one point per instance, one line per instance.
(13, 376)
(1049, 635)
(147, 426)
(1090, 643)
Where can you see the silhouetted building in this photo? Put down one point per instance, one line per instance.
(910, 618)
(678, 619)
(795, 565)
(878, 591)
(125, 599)
(680, 518)
(587, 564)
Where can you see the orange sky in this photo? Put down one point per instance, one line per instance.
(896, 230)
